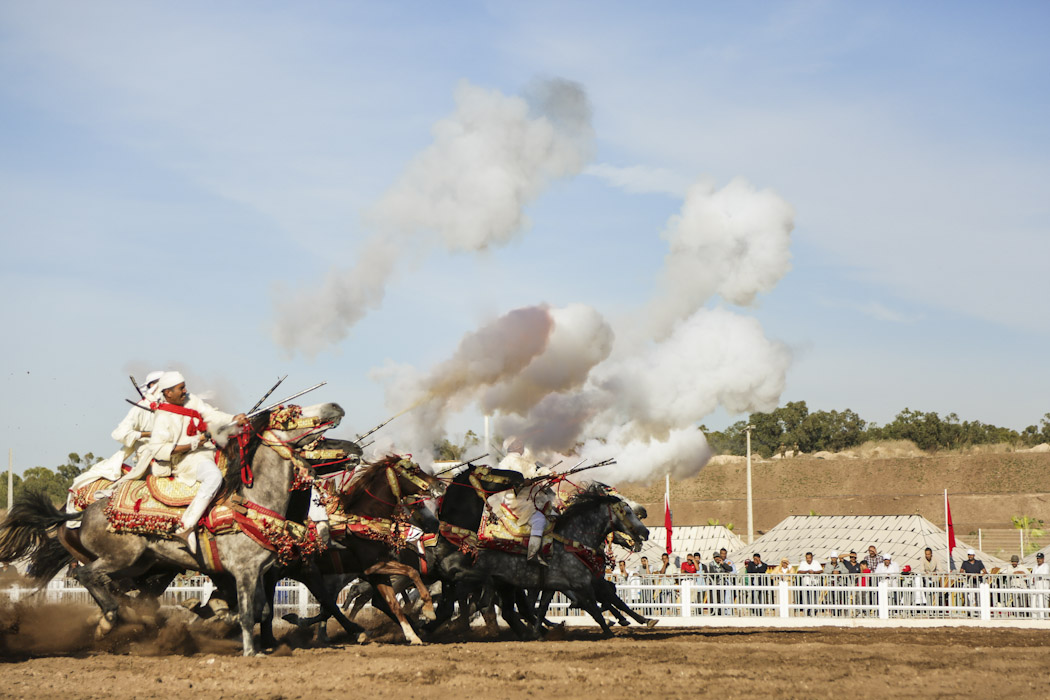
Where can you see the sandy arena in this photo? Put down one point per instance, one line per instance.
(48, 653)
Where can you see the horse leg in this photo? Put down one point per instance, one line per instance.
(606, 592)
(269, 585)
(591, 608)
(487, 605)
(397, 568)
(510, 615)
(541, 611)
(330, 608)
(382, 586)
(247, 583)
(98, 584)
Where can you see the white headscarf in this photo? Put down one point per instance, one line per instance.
(169, 379)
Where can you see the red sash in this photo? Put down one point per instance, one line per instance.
(197, 424)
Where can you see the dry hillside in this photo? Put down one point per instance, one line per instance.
(985, 489)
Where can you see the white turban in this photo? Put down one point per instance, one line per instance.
(169, 379)
(151, 377)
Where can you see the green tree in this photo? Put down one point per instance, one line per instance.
(55, 483)
(1032, 529)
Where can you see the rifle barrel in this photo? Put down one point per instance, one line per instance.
(267, 394)
(284, 400)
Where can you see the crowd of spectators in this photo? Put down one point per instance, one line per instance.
(847, 570)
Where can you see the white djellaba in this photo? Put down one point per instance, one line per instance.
(129, 433)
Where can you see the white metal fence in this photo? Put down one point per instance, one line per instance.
(289, 596)
(754, 598)
(833, 597)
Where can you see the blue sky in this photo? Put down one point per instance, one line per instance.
(167, 170)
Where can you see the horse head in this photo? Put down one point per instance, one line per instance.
(393, 484)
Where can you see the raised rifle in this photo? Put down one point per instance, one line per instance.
(362, 437)
(267, 394)
(136, 385)
(257, 411)
(460, 464)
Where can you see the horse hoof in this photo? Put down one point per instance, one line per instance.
(105, 626)
(362, 638)
(651, 623)
(417, 642)
(429, 615)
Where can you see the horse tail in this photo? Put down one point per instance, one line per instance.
(48, 560)
(25, 529)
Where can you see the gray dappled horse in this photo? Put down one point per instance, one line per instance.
(129, 555)
(591, 516)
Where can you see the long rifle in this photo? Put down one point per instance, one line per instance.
(136, 385)
(457, 466)
(267, 394)
(362, 437)
(285, 400)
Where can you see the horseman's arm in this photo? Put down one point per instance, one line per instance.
(216, 418)
(127, 433)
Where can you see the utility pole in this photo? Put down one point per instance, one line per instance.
(750, 507)
(488, 436)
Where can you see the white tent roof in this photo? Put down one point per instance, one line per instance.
(905, 537)
(705, 539)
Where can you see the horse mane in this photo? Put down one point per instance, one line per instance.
(364, 474)
(593, 495)
(232, 452)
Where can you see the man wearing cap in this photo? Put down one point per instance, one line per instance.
(834, 568)
(1041, 583)
(133, 432)
(179, 445)
(972, 565)
(887, 567)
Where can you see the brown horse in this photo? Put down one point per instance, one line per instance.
(376, 506)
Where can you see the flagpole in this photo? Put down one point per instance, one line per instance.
(668, 523)
(947, 534)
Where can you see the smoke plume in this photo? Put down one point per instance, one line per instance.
(733, 242)
(467, 191)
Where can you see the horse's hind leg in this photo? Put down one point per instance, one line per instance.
(99, 585)
(247, 582)
(382, 586)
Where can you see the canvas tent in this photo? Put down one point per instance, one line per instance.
(905, 537)
(684, 540)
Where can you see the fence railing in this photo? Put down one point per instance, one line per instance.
(955, 596)
(289, 596)
(756, 597)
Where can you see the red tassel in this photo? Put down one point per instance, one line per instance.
(138, 505)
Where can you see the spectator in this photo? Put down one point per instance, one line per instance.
(701, 568)
(887, 567)
(972, 565)
(834, 566)
(756, 566)
(718, 565)
(1041, 583)
(810, 571)
(688, 566)
(727, 561)
(781, 571)
(643, 567)
(929, 570)
(873, 559)
(1018, 582)
(665, 564)
(833, 572)
(851, 564)
(622, 572)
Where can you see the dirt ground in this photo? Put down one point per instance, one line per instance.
(48, 653)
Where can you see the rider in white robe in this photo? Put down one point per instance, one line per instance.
(133, 432)
(172, 450)
(531, 502)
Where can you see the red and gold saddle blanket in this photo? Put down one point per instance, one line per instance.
(505, 535)
(145, 508)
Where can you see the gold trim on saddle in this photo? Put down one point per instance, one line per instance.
(171, 491)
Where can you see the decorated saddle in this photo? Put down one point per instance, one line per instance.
(152, 506)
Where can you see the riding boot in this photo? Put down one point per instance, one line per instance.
(534, 554)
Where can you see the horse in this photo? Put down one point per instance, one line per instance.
(377, 504)
(129, 556)
(576, 557)
(460, 516)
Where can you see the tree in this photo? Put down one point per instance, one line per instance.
(55, 483)
(1032, 529)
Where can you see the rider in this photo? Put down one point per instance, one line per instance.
(133, 432)
(532, 501)
(180, 444)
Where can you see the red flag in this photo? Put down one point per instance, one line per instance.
(667, 512)
(951, 526)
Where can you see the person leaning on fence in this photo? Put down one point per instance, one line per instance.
(1018, 581)
(873, 559)
(851, 563)
(727, 561)
(972, 565)
(833, 571)
(688, 566)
